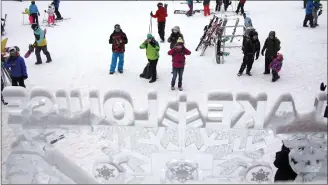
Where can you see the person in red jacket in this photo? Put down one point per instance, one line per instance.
(161, 15)
(241, 6)
(178, 62)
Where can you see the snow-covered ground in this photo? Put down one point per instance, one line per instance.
(81, 58)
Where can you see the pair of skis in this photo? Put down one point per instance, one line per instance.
(56, 21)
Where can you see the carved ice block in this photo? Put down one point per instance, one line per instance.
(148, 118)
(63, 103)
(219, 109)
(194, 117)
(284, 98)
(320, 104)
(39, 96)
(253, 108)
(17, 98)
(95, 104)
(111, 98)
(76, 102)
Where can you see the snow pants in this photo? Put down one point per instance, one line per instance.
(207, 10)
(268, 60)
(190, 11)
(248, 61)
(153, 68)
(51, 19)
(241, 7)
(161, 30)
(218, 5)
(113, 65)
(35, 18)
(308, 17)
(18, 81)
(45, 51)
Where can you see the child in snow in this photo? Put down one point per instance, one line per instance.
(152, 52)
(173, 39)
(34, 12)
(178, 62)
(206, 4)
(16, 65)
(276, 65)
(51, 14)
(308, 14)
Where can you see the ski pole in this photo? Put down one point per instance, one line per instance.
(150, 26)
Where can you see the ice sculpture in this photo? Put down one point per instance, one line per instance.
(231, 140)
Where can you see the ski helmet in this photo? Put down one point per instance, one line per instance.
(280, 56)
(159, 4)
(35, 26)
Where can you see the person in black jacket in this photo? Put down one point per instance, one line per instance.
(251, 48)
(173, 39)
(285, 171)
(271, 47)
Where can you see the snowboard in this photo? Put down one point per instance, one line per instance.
(3, 45)
(234, 30)
(31, 47)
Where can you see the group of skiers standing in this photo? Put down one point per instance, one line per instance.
(118, 39)
(53, 8)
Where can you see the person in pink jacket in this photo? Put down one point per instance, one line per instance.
(178, 62)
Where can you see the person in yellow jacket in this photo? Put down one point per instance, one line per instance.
(40, 44)
(152, 52)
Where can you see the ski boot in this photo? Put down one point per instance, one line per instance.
(239, 74)
(111, 73)
(172, 88)
(121, 71)
(249, 73)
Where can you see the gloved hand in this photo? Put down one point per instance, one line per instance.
(262, 52)
(323, 86)
(25, 77)
(38, 13)
(151, 13)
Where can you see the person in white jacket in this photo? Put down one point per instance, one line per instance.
(51, 14)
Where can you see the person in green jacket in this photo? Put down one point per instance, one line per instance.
(152, 52)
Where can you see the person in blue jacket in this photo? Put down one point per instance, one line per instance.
(34, 12)
(17, 68)
(308, 14)
(56, 5)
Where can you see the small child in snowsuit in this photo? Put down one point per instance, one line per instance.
(178, 62)
(206, 4)
(276, 65)
(34, 12)
(51, 14)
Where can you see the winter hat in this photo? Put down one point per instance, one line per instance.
(272, 33)
(159, 4)
(149, 36)
(34, 26)
(117, 26)
(180, 41)
(280, 57)
(33, 2)
(177, 28)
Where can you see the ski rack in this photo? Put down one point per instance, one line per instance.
(220, 58)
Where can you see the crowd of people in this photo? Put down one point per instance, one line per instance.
(118, 39)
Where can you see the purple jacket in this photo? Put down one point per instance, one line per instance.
(276, 65)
